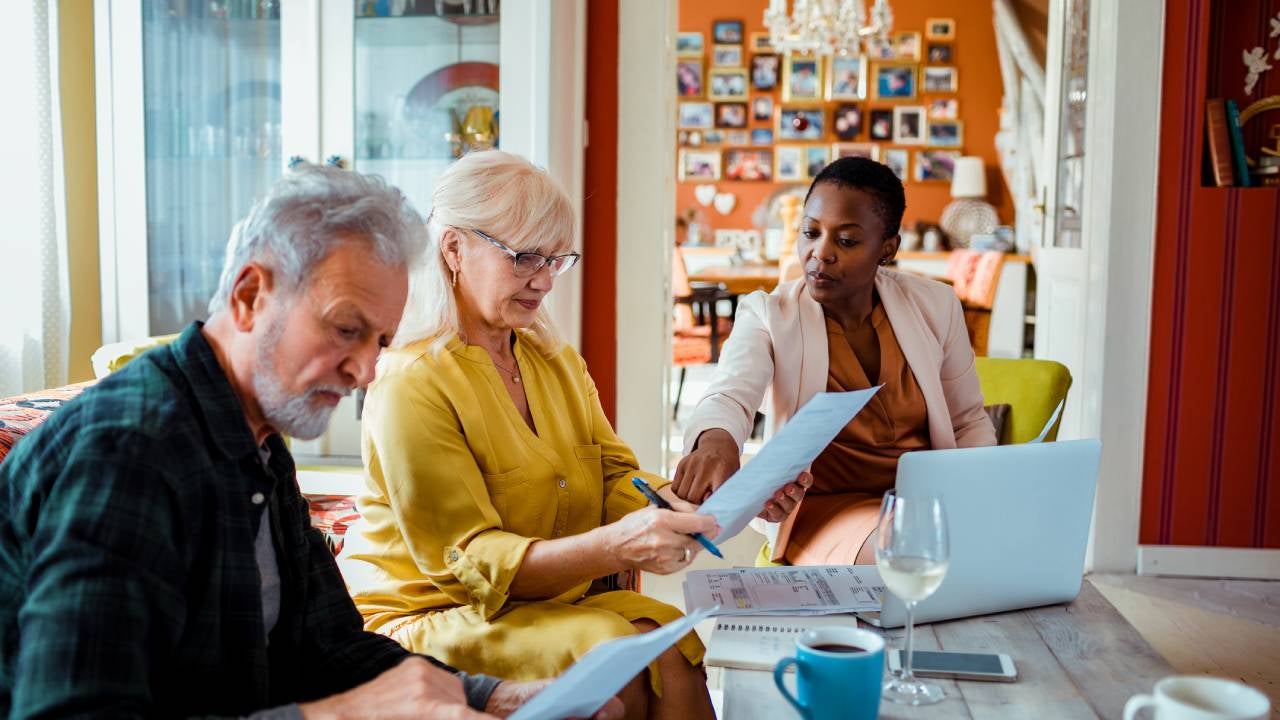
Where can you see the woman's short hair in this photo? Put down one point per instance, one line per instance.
(508, 198)
(873, 178)
(307, 213)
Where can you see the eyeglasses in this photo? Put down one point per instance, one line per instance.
(528, 263)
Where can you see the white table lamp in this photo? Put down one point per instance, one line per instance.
(968, 214)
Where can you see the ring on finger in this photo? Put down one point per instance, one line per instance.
(687, 555)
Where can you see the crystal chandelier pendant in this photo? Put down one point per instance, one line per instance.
(826, 27)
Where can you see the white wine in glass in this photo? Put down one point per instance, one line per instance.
(912, 553)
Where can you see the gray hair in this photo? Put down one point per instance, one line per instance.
(311, 210)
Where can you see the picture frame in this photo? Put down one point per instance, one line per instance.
(726, 32)
(712, 137)
(690, 44)
(695, 115)
(748, 164)
(880, 124)
(816, 157)
(909, 127)
(940, 28)
(907, 45)
(946, 133)
(699, 165)
(788, 163)
(846, 121)
(731, 115)
(880, 49)
(940, 53)
(726, 84)
(895, 81)
(935, 165)
(787, 123)
(764, 71)
(898, 160)
(944, 109)
(762, 136)
(871, 151)
(726, 56)
(690, 78)
(762, 108)
(760, 42)
(737, 137)
(941, 79)
(801, 78)
(846, 78)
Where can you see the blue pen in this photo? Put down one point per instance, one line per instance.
(657, 499)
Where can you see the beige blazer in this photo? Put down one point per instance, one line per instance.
(778, 353)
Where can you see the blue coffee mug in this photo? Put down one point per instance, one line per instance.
(839, 671)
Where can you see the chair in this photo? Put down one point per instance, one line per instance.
(1031, 388)
(698, 331)
(975, 276)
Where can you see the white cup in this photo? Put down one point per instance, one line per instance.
(1200, 698)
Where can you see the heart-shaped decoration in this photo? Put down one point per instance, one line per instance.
(725, 202)
(705, 194)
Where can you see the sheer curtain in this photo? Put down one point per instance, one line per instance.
(35, 305)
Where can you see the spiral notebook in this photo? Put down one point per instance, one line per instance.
(758, 642)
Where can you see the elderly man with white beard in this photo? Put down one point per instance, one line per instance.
(156, 557)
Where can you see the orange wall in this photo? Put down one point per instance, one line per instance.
(980, 92)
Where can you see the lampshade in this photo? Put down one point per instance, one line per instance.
(969, 179)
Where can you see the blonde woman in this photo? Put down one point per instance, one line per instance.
(497, 491)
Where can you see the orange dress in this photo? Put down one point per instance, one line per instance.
(851, 475)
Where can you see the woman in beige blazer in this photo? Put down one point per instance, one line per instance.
(847, 324)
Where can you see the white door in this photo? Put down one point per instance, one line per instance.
(1059, 254)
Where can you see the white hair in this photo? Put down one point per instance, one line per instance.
(307, 213)
(507, 197)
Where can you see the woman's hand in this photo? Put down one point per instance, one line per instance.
(655, 540)
(705, 469)
(778, 507)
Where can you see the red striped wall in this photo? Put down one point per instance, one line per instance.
(1212, 454)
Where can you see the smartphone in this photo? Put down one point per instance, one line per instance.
(957, 666)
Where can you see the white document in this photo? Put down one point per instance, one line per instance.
(1049, 425)
(781, 459)
(758, 642)
(790, 590)
(597, 676)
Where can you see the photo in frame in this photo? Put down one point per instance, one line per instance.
(764, 71)
(846, 121)
(761, 42)
(726, 32)
(737, 137)
(801, 78)
(940, 29)
(724, 84)
(699, 165)
(906, 45)
(880, 125)
(871, 151)
(712, 137)
(816, 157)
(788, 163)
(897, 160)
(690, 44)
(936, 165)
(880, 48)
(762, 107)
(944, 109)
(940, 79)
(908, 125)
(761, 136)
(689, 79)
(946, 133)
(731, 115)
(940, 53)
(894, 81)
(695, 115)
(800, 123)
(750, 165)
(846, 78)
(726, 56)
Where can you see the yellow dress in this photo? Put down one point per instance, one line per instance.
(458, 487)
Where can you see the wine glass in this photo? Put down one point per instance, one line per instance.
(911, 553)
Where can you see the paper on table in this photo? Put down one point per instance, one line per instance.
(597, 676)
(781, 459)
(789, 590)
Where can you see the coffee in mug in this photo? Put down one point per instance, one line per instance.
(839, 671)
(1192, 697)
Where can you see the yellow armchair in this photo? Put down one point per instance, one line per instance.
(1031, 388)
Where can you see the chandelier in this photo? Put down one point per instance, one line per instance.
(826, 27)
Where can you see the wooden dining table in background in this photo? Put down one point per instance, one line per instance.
(739, 279)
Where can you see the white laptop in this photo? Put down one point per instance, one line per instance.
(1019, 519)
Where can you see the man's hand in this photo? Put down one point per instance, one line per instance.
(413, 689)
(509, 696)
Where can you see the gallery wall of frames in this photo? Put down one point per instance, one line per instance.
(749, 119)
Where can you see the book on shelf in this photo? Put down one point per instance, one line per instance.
(1218, 142)
(1237, 143)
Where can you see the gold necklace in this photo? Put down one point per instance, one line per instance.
(515, 374)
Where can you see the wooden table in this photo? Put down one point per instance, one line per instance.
(1081, 660)
(739, 279)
